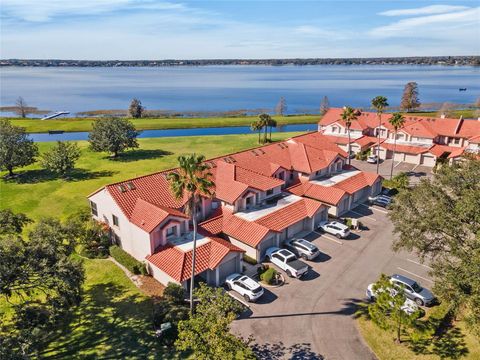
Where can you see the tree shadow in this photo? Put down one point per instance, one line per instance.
(42, 175)
(108, 325)
(280, 351)
(142, 154)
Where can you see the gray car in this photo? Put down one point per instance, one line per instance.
(413, 290)
(303, 248)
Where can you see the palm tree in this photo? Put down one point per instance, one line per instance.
(191, 181)
(379, 103)
(272, 124)
(397, 121)
(349, 115)
(264, 120)
(256, 126)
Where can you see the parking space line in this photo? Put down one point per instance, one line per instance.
(329, 238)
(398, 163)
(415, 262)
(365, 216)
(411, 273)
(373, 208)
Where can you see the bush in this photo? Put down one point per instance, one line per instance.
(348, 222)
(398, 182)
(268, 275)
(261, 269)
(362, 155)
(127, 260)
(174, 293)
(249, 260)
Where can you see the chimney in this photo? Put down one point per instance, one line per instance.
(442, 116)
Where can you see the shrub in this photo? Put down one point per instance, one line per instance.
(398, 182)
(127, 260)
(249, 260)
(348, 222)
(174, 293)
(268, 275)
(261, 269)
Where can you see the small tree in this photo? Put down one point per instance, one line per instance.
(324, 106)
(349, 115)
(410, 99)
(113, 136)
(397, 121)
(272, 123)
(387, 310)
(207, 332)
(61, 158)
(16, 149)
(136, 109)
(21, 107)
(174, 293)
(265, 120)
(11, 223)
(281, 107)
(379, 103)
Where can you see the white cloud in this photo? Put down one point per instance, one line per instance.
(427, 10)
(434, 26)
(46, 10)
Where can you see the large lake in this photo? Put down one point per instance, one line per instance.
(220, 88)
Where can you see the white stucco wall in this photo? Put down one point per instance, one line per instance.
(159, 275)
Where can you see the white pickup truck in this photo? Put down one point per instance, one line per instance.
(287, 261)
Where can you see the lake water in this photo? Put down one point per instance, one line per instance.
(221, 88)
(74, 136)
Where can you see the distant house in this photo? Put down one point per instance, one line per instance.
(263, 196)
(421, 141)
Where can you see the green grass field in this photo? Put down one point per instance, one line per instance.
(85, 124)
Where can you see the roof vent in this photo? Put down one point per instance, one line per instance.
(280, 145)
(254, 152)
(122, 188)
(131, 186)
(261, 150)
(227, 160)
(232, 159)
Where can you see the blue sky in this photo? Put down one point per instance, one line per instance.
(153, 29)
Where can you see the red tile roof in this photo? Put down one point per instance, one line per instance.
(290, 214)
(409, 149)
(357, 182)
(178, 264)
(439, 150)
(148, 216)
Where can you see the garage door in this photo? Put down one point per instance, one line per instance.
(295, 228)
(399, 156)
(320, 216)
(265, 244)
(411, 159)
(382, 153)
(227, 268)
(428, 160)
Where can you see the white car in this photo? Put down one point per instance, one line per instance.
(409, 306)
(245, 286)
(372, 159)
(287, 261)
(336, 228)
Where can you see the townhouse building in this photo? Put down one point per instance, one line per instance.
(262, 197)
(421, 141)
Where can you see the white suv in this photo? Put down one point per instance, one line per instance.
(336, 228)
(245, 286)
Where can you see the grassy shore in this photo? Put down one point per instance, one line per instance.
(85, 124)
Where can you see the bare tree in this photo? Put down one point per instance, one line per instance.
(136, 109)
(446, 110)
(21, 107)
(281, 106)
(324, 106)
(410, 99)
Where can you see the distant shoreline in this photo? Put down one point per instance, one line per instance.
(473, 60)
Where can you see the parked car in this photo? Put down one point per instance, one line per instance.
(389, 192)
(409, 306)
(303, 248)
(287, 261)
(245, 286)
(413, 290)
(336, 228)
(372, 159)
(380, 200)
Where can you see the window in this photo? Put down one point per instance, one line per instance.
(115, 220)
(291, 175)
(116, 239)
(456, 141)
(269, 192)
(171, 231)
(93, 208)
(281, 175)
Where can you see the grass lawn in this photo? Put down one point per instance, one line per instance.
(38, 194)
(85, 124)
(466, 113)
(456, 343)
(114, 321)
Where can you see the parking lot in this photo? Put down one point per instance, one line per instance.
(312, 317)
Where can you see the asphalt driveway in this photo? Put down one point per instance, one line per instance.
(312, 318)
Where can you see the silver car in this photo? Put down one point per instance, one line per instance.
(413, 290)
(303, 248)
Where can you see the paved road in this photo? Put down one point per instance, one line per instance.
(313, 318)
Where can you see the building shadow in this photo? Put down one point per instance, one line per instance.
(142, 154)
(278, 350)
